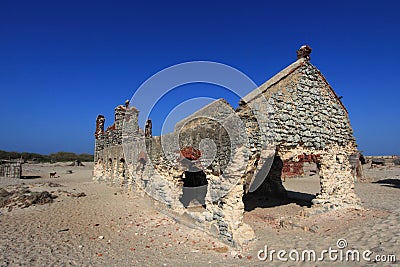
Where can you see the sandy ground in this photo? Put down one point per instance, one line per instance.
(109, 227)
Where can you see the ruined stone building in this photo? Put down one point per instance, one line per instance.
(11, 168)
(218, 155)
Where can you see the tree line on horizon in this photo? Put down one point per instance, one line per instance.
(53, 157)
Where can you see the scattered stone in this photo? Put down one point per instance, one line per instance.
(23, 197)
(286, 224)
(77, 194)
(314, 228)
(221, 249)
(51, 184)
(4, 193)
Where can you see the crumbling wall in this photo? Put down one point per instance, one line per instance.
(110, 163)
(295, 117)
(309, 119)
(157, 166)
(221, 136)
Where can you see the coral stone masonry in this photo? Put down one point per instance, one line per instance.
(203, 163)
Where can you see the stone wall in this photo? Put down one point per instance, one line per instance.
(294, 116)
(11, 168)
(156, 166)
(309, 119)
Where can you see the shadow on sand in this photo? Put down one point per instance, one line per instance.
(252, 201)
(395, 183)
(30, 176)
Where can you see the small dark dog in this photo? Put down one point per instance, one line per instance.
(53, 175)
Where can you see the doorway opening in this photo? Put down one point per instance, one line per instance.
(194, 188)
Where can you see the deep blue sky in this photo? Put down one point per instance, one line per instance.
(64, 62)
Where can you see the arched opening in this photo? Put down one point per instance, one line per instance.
(286, 182)
(121, 171)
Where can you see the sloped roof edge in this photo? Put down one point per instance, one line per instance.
(275, 79)
(283, 74)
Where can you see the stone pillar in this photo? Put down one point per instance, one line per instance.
(119, 115)
(109, 170)
(148, 129)
(98, 170)
(337, 184)
(99, 126)
(121, 172)
(233, 210)
(114, 172)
